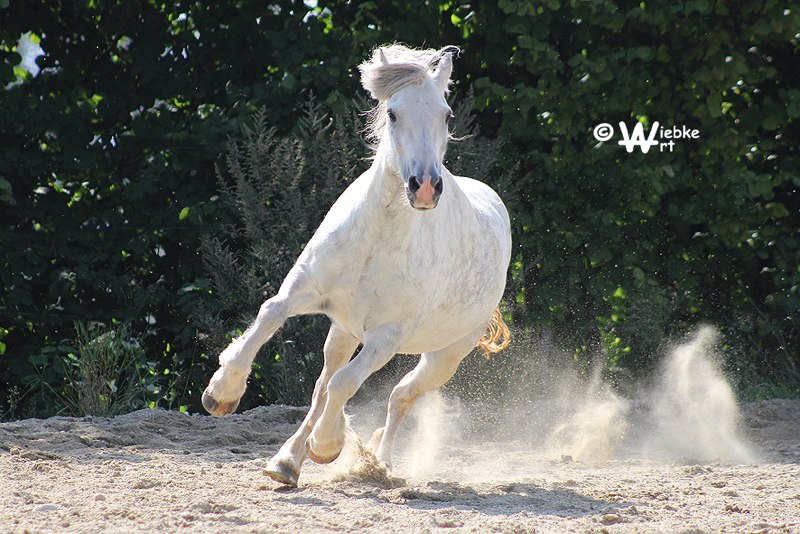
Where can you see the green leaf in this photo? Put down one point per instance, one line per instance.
(6, 194)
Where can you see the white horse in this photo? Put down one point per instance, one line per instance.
(410, 259)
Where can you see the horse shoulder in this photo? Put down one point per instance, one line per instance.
(481, 194)
(487, 205)
(338, 241)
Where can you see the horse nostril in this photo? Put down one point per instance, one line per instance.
(438, 184)
(413, 184)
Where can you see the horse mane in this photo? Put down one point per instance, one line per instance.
(406, 66)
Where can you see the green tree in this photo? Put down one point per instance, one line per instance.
(108, 181)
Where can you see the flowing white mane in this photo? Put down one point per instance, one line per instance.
(390, 69)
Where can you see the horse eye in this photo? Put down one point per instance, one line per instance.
(392, 116)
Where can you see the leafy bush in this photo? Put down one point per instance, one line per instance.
(623, 250)
(107, 374)
(109, 198)
(103, 371)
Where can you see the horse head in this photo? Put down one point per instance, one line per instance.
(412, 117)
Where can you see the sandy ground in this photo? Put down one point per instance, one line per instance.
(160, 471)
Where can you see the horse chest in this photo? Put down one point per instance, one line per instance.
(426, 280)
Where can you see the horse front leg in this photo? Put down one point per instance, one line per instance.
(326, 440)
(229, 383)
(285, 466)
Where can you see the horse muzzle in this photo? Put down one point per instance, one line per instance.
(424, 195)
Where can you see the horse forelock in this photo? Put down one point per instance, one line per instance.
(384, 80)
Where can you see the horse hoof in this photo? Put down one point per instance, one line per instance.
(218, 409)
(282, 473)
(320, 459)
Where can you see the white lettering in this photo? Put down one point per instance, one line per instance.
(637, 137)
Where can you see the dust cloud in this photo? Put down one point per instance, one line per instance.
(596, 426)
(693, 411)
(685, 413)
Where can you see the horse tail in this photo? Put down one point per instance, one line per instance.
(497, 335)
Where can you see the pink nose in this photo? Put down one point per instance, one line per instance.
(425, 195)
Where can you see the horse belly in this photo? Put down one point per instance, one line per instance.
(464, 305)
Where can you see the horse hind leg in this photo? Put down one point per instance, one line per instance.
(229, 382)
(285, 466)
(433, 371)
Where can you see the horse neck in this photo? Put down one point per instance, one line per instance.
(386, 193)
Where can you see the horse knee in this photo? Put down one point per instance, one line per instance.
(242, 350)
(402, 399)
(275, 309)
(342, 386)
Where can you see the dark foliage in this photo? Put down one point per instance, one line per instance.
(112, 210)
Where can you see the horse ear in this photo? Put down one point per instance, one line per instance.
(443, 70)
(382, 56)
(370, 76)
